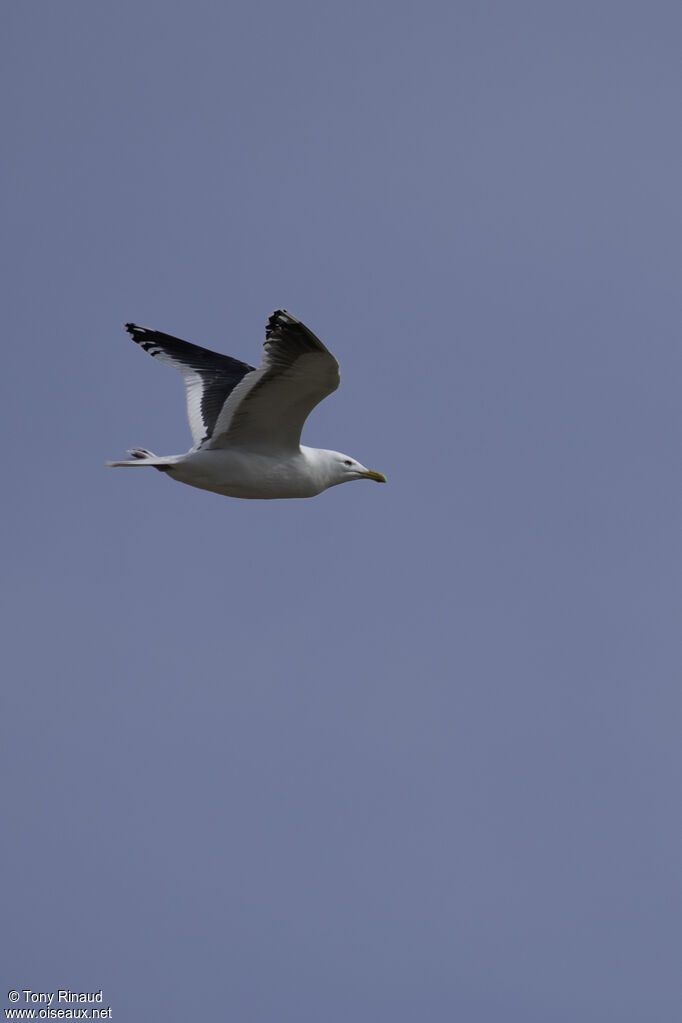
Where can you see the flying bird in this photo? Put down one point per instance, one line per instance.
(246, 422)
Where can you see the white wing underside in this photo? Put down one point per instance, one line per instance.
(194, 389)
(267, 409)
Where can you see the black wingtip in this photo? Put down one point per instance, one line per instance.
(280, 320)
(142, 336)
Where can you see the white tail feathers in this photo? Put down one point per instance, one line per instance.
(141, 456)
(141, 453)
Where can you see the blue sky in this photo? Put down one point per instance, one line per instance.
(396, 752)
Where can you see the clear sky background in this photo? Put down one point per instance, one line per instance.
(397, 753)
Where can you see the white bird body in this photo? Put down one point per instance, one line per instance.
(254, 474)
(247, 422)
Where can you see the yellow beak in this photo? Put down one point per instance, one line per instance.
(372, 475)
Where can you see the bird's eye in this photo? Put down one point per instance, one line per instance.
(347, 461)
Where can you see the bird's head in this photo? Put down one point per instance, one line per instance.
(343, 469)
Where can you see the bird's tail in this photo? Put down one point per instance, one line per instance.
(140, 456)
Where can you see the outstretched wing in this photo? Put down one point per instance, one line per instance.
(268, 407)
(209, 377)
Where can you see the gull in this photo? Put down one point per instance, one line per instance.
(246, 422)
